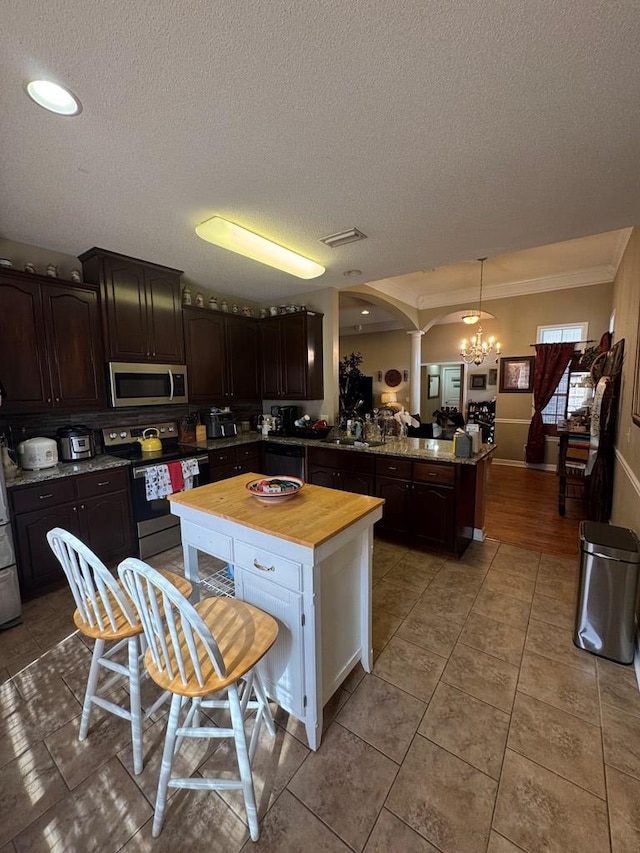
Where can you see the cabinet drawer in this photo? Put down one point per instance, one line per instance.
(400, 468)
(342, 460)
(44, 495)
(248, 452)
(431, 472)
(102, 482)
(224, 456)
(212, 543)
(278, 569)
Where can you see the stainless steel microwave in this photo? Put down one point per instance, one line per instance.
(133, 384)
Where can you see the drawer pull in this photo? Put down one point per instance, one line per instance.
(104, 483)
(42, 497)
(263, 568)
(392, 468)
(431, 474)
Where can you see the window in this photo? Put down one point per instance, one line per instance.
(570, 394)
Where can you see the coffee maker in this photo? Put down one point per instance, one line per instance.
(285, 417)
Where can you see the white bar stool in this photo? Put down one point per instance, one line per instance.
(105, 614)
(194, 652)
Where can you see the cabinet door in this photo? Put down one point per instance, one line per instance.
(432, 515)
(206, 360)
(106, 525)
(164, 317)
(242, 359)
(397, 495)
(126, 311)
(320, 476)
(270, 358)
(282, 668)
(24, 371)
(37, 565)
(75, 347)
(293, 347)
(361, 484)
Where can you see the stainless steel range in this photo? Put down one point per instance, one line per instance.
(157, 529)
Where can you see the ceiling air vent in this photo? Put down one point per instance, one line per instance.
(344, 237)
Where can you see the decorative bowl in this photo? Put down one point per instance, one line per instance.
(275, 490)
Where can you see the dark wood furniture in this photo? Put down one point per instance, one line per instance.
(95, 507)
(292, 356)
(231, 461)
(222, 357)
(426, 503)
(573, 453)
(141, 307)
(50, 344)
(336, 469)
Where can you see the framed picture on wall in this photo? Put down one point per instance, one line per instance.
(516, 375)
(434, 387)
(479, 380)
(493, 376)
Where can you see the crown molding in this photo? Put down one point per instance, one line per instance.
(390, 288)
(623, 239)
(564, 281)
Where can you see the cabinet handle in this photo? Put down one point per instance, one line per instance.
(81, 506)
(48, 399)
(42, 497)
(104, 483)
(392, 468)
(75, 509)
(57, 399)
(431, 474)
(263, 568)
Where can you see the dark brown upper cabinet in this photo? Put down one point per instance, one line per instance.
(50, 344)
(292, 355)
(141, 307)
(222, 357)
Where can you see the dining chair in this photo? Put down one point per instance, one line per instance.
(105, 614)
(205, 655)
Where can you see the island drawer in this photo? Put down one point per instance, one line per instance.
(399, 468)
(431, 472)
(282, 571)
(208, 541)
(46, 494)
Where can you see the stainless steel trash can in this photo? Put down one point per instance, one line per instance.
(608, 591)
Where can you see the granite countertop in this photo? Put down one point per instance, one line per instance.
(65, 469)
(426, 449)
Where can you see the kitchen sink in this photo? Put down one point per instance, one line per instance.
(350, 442)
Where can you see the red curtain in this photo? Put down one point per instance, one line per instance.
(551, 362)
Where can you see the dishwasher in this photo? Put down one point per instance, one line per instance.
(284, 459)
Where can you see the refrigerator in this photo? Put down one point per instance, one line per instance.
(10, 604)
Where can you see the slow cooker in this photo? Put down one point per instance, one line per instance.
(75, 442)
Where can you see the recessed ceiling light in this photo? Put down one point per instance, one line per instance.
(352, 273)
(365, 311)
(54, 98)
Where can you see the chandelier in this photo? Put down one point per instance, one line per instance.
(477, 349)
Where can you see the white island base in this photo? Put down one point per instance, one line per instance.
(307, 562)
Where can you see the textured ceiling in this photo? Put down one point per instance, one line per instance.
(445, 131)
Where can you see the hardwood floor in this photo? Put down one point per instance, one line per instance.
(522, 509)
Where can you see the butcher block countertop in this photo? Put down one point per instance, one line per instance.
(312, 517)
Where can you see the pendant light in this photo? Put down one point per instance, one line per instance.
(477, 349)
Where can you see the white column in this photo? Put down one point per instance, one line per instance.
(416, 364)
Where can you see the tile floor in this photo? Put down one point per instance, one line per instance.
(481, 728)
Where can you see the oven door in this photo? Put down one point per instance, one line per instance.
(133, 384)
(157, 529)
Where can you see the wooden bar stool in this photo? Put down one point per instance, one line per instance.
(105, 614)
(206, 650)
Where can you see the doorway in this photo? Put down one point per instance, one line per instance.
(441, 385)
(452, 386)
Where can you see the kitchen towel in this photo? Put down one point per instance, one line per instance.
(157, 482)
(176, 476)
(190, 469)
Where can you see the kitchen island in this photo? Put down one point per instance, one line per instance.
(307, 562)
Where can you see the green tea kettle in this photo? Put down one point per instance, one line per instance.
(152, 444)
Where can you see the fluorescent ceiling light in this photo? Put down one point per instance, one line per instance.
(230, 236)
(54, 98)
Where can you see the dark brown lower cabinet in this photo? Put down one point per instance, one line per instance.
(349, 471)
(95, 507)
(231, 461)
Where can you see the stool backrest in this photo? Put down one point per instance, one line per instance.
(180, 643)
(98, 597)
